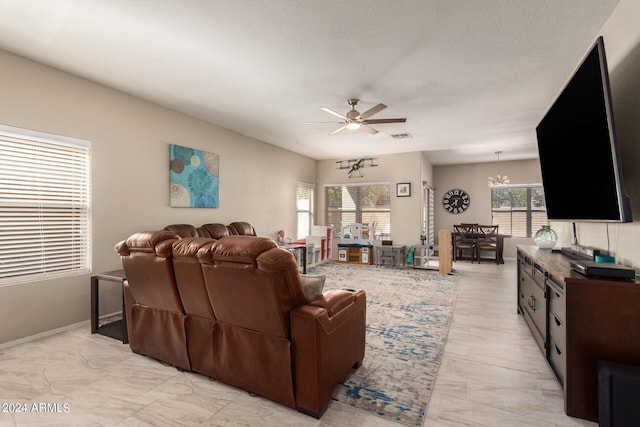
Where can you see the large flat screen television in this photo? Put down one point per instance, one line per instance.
(581, 172)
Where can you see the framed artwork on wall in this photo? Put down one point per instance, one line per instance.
(194, 178)
(403, 189)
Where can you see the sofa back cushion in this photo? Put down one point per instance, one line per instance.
(189, 278)
(146, 259)
(184, 230)
(253, 284)
(215, 231)
(242, 229)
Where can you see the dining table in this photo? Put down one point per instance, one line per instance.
(476, 235)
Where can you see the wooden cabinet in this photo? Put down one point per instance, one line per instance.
(577, 321)
(557, 330)
(532, 298)
(354, 254)
(445, 252)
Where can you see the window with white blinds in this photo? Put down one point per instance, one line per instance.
(519, 210)
(367, 203)
(304, 209)
(44, 206)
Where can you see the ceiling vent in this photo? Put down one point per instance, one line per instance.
(401, 136)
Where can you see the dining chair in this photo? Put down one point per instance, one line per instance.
(487, 241)
(465, 239)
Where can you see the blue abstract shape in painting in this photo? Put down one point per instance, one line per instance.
(194, 180)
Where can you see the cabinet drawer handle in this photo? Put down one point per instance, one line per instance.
(557, 320)
(557, 350)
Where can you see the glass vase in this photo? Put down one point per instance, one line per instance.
(546, 238)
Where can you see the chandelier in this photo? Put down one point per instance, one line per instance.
(498, 180)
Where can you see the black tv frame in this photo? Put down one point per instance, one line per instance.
(579, 186)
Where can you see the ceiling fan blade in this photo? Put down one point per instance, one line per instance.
(338, 130)
(379, 121)
(322, 123)
(334, 113)
(373, 110)
(367, 129)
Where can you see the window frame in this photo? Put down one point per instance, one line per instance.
(529, 210)
(358, 212)
(49, 220)
(300, 233)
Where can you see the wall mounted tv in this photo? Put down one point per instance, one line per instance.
(581, 172)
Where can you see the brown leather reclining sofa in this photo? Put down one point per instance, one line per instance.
(214, 231)
(233, 308)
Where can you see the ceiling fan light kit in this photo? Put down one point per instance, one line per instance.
(354, 120)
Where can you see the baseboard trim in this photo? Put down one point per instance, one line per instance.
(44, 334)
(84, 323)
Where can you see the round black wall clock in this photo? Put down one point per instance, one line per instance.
(456, 201)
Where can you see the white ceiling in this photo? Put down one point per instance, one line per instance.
(472, 77)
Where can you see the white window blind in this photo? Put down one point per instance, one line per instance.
(366, 203)
(44, 206)
(519, 210)
(304, 209)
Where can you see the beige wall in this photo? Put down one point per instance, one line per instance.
(406, 217)
(473, 179)
(130, 174)
(622, 44)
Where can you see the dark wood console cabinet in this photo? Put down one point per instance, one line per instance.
(577, 321)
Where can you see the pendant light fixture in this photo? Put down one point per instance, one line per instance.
(499, 180)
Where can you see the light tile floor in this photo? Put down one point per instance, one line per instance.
(492, 374)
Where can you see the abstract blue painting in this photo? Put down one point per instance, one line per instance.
(194, 178)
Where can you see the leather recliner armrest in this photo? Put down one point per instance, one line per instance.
(334, 301)
(329, 311)
(328, 337)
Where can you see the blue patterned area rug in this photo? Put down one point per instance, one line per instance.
(408, 316)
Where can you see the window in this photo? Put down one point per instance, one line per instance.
(304, 209)
(364, 203)
(519, 210)
(44, 206)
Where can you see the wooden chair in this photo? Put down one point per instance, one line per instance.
(487, 241)
(465, 239)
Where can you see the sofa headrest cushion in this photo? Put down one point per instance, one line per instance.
(183, 230)
(189, 246)
(216, 231)
(242, 228)
(158, 242)
(241, 249)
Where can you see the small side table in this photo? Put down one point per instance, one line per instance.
(118, 328)
(395, 253)
(422, 255)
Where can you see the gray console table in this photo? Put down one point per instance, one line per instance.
(394, 253)
(422, 254)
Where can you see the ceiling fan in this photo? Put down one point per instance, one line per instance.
(353, 119)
